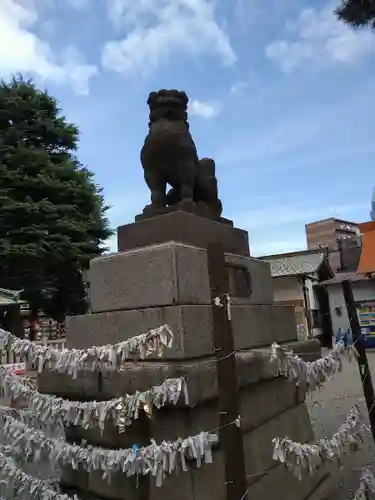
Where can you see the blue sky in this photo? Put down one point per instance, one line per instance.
(281, 96)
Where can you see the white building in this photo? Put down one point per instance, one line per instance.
(363, 288)
(295, 275)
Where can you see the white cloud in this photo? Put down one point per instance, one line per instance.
(203, 109)
(318, 37)
(79, 4)
(155, 29)
(238, 87)
(22, 51)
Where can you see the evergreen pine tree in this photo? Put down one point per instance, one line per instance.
(52, 214)
(357, 13)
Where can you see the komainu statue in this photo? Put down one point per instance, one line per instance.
(169, 156)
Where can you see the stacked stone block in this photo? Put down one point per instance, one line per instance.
(144, 287)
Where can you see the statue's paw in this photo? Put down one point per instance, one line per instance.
(152, 209)
(148, 208)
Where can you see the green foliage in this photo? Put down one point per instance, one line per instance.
(52, 214)
(357, 13)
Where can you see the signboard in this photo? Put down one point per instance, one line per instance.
(16, 368)
(366, 317)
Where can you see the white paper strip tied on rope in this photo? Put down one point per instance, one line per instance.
(24, 486)
(108, 357)
(366, 490)
(54, 411)
(308, 458)
(310, 374)
(157, 460)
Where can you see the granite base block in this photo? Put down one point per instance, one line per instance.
(209, 483)
(185, 228)
(280, 484)
(270, 399)
(201, 376)
(74, 478)
(82, 495)
(253, 326)
(168, 274)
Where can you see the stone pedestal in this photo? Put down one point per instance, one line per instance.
(155, 282)
(185, 228)
(132, 292)
(197, 209)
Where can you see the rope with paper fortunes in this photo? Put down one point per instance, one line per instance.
(157, 460)
(311, 375)
(308, 458)
(108, 357)
(15, 483)
(45, 411)
(366, 490)
(55, 411)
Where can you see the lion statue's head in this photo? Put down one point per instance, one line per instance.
(168, 105)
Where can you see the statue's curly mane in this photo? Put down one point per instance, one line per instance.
(168, 105)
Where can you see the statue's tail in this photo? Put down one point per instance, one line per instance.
(207, 167)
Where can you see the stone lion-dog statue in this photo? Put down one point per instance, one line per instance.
(169, 156)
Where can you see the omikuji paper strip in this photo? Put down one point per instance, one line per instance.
(309, 374)
(308, 458)
(25, 486)
(157, 460)
(108, 357)
(55, 411)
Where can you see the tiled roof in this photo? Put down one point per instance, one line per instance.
(303, 263)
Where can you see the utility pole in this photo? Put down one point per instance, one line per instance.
(306, 306)
(364, 370)
(230, 433)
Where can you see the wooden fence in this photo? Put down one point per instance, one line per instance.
(7, 357)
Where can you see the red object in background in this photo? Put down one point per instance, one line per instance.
(16, 368)
(367, 261)
(34, 325)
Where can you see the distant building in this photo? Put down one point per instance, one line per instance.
(341, 238)
(363, 289)
(10, 311)
(294, 276)
(328, 232)
(373, 206)
(361, 275)
(367, 261)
